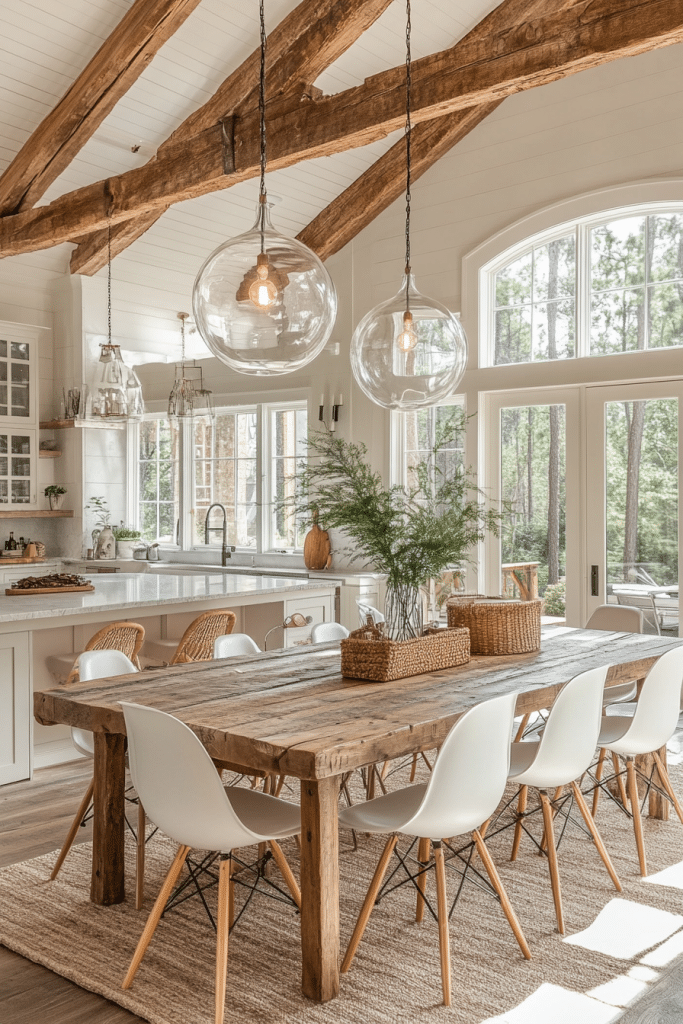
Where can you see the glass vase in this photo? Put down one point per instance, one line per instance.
(403, 611)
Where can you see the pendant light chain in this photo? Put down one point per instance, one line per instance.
(262, 118)
(182, 339)
(408, 131)
(109, 283)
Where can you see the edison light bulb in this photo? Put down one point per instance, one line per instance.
(407, 339)
(263, 291)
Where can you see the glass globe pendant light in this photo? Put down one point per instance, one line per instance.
(189, 397)
(409, 352)
(264, 303)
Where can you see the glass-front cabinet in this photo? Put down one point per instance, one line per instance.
(17, 378)
(18, 453)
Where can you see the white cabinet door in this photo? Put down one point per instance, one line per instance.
(15, 708)
(18, 455)
(18, 362)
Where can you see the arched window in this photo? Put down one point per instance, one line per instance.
(603, 285)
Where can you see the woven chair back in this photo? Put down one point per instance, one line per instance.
(198, 639)
(127, 637)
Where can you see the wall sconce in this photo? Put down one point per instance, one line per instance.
(337, 404)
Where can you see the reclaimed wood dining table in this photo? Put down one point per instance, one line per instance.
(292, 713)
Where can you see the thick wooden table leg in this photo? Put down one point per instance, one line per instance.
(107, 884)
(320, 889)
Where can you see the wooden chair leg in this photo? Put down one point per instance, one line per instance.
(368, 903)
(75, 825)
(140, 857)
(620, 781)
(598, 776)
(556, 796)
(635, 811)
(442, 910)
(521, 807)
(286, 871)
(666, 784)
(222, 934)
(155, 914)
(231, 894)
(597, 838)
(413, 768)
(423, 854)
(502, 895)
(552, 859)
(280, 784)
(522, 726)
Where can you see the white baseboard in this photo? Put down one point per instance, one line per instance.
(54, 752)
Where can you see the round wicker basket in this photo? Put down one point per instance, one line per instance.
(497, 626)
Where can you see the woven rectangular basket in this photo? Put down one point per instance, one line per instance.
(367, 654)
(497, 626)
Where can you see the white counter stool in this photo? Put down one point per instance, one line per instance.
(323, 632)
(235, 645)
(196, 643)
(558, 759)
(465, 787)
(650, 729)
(102, 665)
(174, 776)
(127, 637)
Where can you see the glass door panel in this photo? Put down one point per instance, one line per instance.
(633, 500)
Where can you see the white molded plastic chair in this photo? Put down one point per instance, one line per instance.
(620, 618)
(563, 753)
(651, 727)
(365, 609)
(234, 645)
(183, 795)
(465, 787)
(325, 631)
(101, 665)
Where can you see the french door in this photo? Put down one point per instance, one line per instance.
(633, 496)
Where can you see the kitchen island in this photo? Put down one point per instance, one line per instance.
(34, 626)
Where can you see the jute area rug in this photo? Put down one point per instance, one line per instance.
(395, 976)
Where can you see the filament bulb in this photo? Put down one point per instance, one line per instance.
(407, 339)
(263, 291)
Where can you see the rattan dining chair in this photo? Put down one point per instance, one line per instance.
(465, 787)
(127, 637)
(196, 643)
(102, 665)
(174, 776)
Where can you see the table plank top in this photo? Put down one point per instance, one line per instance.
(292, 712)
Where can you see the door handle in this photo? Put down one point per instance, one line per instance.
(595, 581)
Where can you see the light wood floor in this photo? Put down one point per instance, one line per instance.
(34, 818)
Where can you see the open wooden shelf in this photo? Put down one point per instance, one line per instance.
(56, 424)
(95, 424)
(37, 514)
(49, 453)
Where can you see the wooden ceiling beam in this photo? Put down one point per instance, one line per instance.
(117, 64)
(299, 49)
(588, 34)
(385, 181)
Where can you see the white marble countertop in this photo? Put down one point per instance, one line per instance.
(139, 590)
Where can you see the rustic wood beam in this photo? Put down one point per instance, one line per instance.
(117, 64)
(385, 181)
(588, 34)
(299, 49)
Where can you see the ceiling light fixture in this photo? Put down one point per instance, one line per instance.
(409, 352)
(264, 303)
(189, 397)
(115, 394)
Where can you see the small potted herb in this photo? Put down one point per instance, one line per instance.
(55, 495)
(127, 540)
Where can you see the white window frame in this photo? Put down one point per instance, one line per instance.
(398, 475)
(264, 520)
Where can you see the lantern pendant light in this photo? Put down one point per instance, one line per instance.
(264, 303)
(189, 397)
(116, 393)
(409, 352)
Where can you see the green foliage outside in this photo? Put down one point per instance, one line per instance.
(554, 599)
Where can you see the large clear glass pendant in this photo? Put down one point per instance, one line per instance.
(264, 303)
(409, 362)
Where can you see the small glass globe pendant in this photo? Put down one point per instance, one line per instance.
(264, 303)
(409, 352)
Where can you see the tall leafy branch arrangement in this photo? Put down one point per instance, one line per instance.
(410, 533)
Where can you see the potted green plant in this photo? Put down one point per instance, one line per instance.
(410, 533)
(127, 540)
(55, 496)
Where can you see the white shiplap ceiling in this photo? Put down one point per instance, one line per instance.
(44, 46)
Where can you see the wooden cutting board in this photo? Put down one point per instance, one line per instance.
(20, 561)
(49, 590)
(317, 548)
